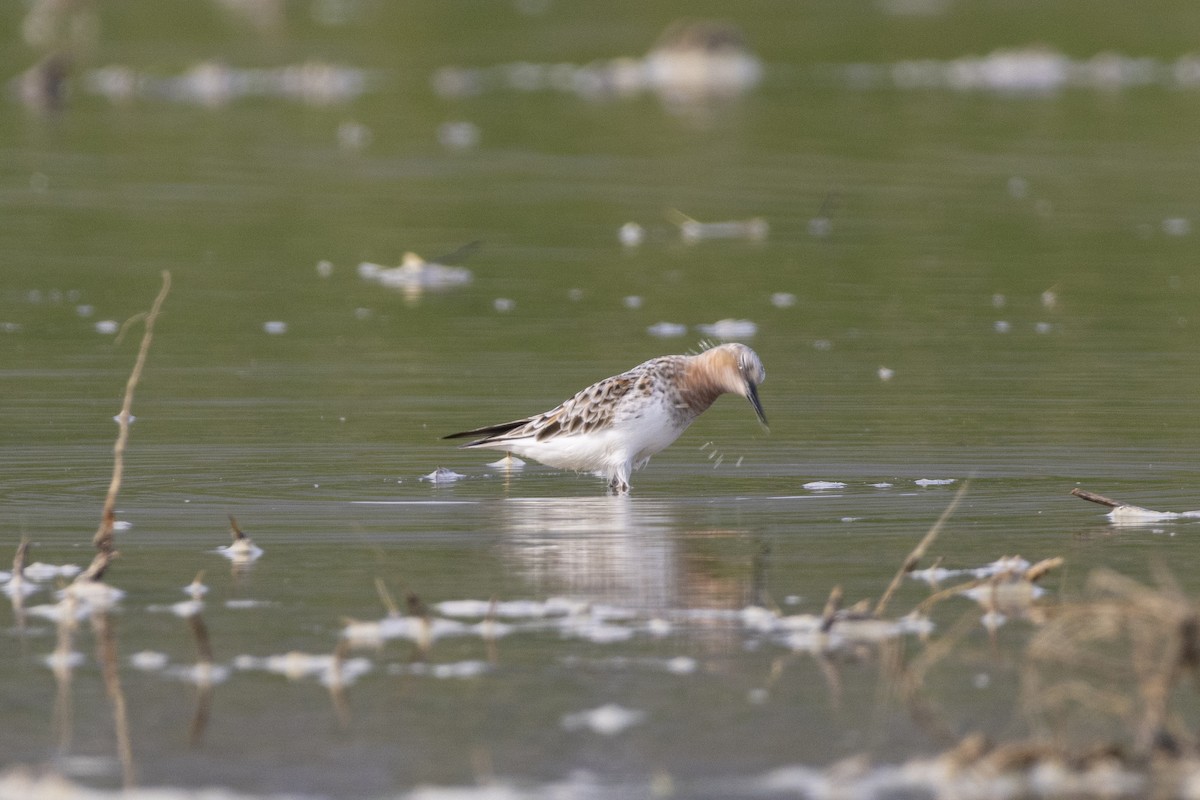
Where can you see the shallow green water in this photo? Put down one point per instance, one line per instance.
(950, 216)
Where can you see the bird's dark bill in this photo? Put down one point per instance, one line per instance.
(752, 395)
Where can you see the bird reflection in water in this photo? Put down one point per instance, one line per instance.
(630, 553)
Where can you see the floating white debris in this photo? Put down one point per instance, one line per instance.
(148, 660)
(658, 627)
(442, 475)
(883, 485)
(607, 720)
(1176, 226)
(728, 329)
(1001, 326)
(886, 374)
(37, 571)
(353, 135)
(187, 608)
(1136, 515)
(416, 274)
(455, 82)
(504, 305)
(458, 135)
(934, 481)
(247, 603)
(457, 669)
(509, 462)
(1029, 70)
(296, 666)
(823, 345)
(201, 674)
(19, 587)
(820, 227)
(85, 310)
(783, 299)
(1006, 565)
(423, 630)
(275, 327)
(1049, 299)
(195, 589)
(824, 486)
(213, 84)
(666, 330)
(324, 268)
(1003, 565)
(633, 301)
(121, 524)
(1043, 327)
(631, 234)
(95, 595)
(934, 575)
(107, 326)
(63, 661)
(242, 550)
(681, 665)
(513, 609)
(60, 611)
(754, 229)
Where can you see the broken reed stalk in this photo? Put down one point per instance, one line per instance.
(1084, 494)
(104, 540)
(918, 552)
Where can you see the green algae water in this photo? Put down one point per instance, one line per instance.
(975, 267)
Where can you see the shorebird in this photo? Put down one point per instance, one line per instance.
(613, 427)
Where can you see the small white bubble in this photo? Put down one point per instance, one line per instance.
(324, 268)
(353, 135)
(1000, 326)
(503, 304)
(631, 234)
(275, 327)
(574, 295)
(458, 135)
(1043, 327)
(633, 301)
(85, 310)
(107, 326)
(822, 345)
(1049, 299)
(886, 374)
(148, 660)
(999, 300)
(783, 299)
(820, 227)
(665, 330)
(1176, 226)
